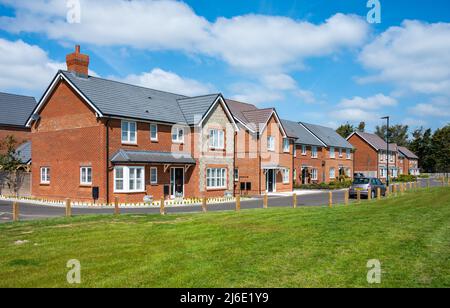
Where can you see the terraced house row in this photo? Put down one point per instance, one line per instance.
(96, 137)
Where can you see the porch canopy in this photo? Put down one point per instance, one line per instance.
(276, 168)
(150, 157)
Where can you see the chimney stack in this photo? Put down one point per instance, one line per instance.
(77, 62)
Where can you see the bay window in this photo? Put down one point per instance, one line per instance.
(216, 178)
(129, 179)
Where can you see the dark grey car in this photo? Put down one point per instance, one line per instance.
(364, 184)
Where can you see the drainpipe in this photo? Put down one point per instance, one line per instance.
(107, 161)
(258, 139)
(234, 165)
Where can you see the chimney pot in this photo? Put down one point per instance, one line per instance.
(77, 49)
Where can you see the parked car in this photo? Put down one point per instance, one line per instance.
(358, 175)
(363, 185)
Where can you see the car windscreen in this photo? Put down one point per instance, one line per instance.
(361, 181)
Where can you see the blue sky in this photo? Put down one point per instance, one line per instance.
(315, 61)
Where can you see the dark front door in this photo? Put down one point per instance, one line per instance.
(304, 176)
(270, 180)
(177, 182)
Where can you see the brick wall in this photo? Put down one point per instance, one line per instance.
(365, 157)
(247, 161)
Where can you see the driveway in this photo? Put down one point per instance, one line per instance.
(35, 212)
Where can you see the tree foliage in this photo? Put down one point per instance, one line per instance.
(398, 134)
(10, 164)
(345, 130)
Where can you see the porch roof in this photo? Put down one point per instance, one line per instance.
(123, 156)
(272, 167)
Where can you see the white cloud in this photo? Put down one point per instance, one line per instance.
(415, 57)
(254, 93)
(279, 82)
(25, 67)
(171, 82)
(354, 115)
(249, 42)
(369, 103)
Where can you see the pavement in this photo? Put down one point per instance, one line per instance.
(36, 212)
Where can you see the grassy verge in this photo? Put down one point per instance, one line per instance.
(307, 247)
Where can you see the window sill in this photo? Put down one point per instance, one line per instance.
(177, 142)
(129, 192)
(44, 184)
(154, 140)
(215, 188)
(86, 185)
(129, 143)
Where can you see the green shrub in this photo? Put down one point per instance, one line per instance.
(424, 176)
(405, 178)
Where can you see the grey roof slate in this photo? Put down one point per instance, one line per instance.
(328, 136)
(114, 98)
(377, 142)
(15, 109)
(123, 156)
(24, 152)
(194, 108)
(407, 153)
(302, 135)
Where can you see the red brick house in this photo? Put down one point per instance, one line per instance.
(127, 141)
(321, 155)
(371, 156)
(263, 153)
(409, 162)
(14, 113)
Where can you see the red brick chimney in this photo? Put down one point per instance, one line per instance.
(77, 62)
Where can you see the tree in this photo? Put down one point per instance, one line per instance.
(441, 149)
(10, 164)
(345, 130)
(362, 127)
(398, 134)
(421, 145)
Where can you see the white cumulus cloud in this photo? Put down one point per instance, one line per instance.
(371, 103)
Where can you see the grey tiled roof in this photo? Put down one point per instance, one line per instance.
(24, 152)
(407, 153)
(302, 135)
(15, 109)
(124, 100)
(123, 156)
(250, 115)
(328, 136)
(194, 108)
(377, 142)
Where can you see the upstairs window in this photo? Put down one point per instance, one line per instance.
(129, 132)
(349, 154)
(332, 152)
(286, 145)
(340, 152)
(304, 150)
(314, 153)
(217, 139)
(271, 143)
(177, 135)
(153, 132)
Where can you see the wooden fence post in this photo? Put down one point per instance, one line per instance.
(238, 203)
(369, 194)
(116, 206)
(266, 201)
(388, 190)
(205, 205)
(295, 201)
(379, 193)
(68, 208)
(16, 211)
(358, 196)
(395, 189)
(346, 197)
(162, 208)
(330, 199)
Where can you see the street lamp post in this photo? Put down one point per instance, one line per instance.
(387, 142)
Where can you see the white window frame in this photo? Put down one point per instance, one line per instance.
(334, 173)
(176, 132)
(349, 154)
(314, 152)
(152, 181)
(217, 139)
(314, 174)
(295, 150)
(126, 179)
(332, 152)
(236, 174)
(45, 175)
(340, 153)
(128, 139)
(271, 143)
(216, 178)
(304, 150)
(286, 176)
(286, 145)
(84, 176)
(153, 125)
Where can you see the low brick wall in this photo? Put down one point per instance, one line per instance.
(25, 187)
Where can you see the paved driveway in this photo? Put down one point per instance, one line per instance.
(34, 212)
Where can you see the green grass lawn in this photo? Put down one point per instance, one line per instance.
(306, 247)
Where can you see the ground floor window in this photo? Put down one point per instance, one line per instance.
(86, 175)
(153, 175)
(286, 174)
(216, 178)
(314, 175)
(236, 175)
(45, 175)
(129, 179)
(383, 172)
(332, 174)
